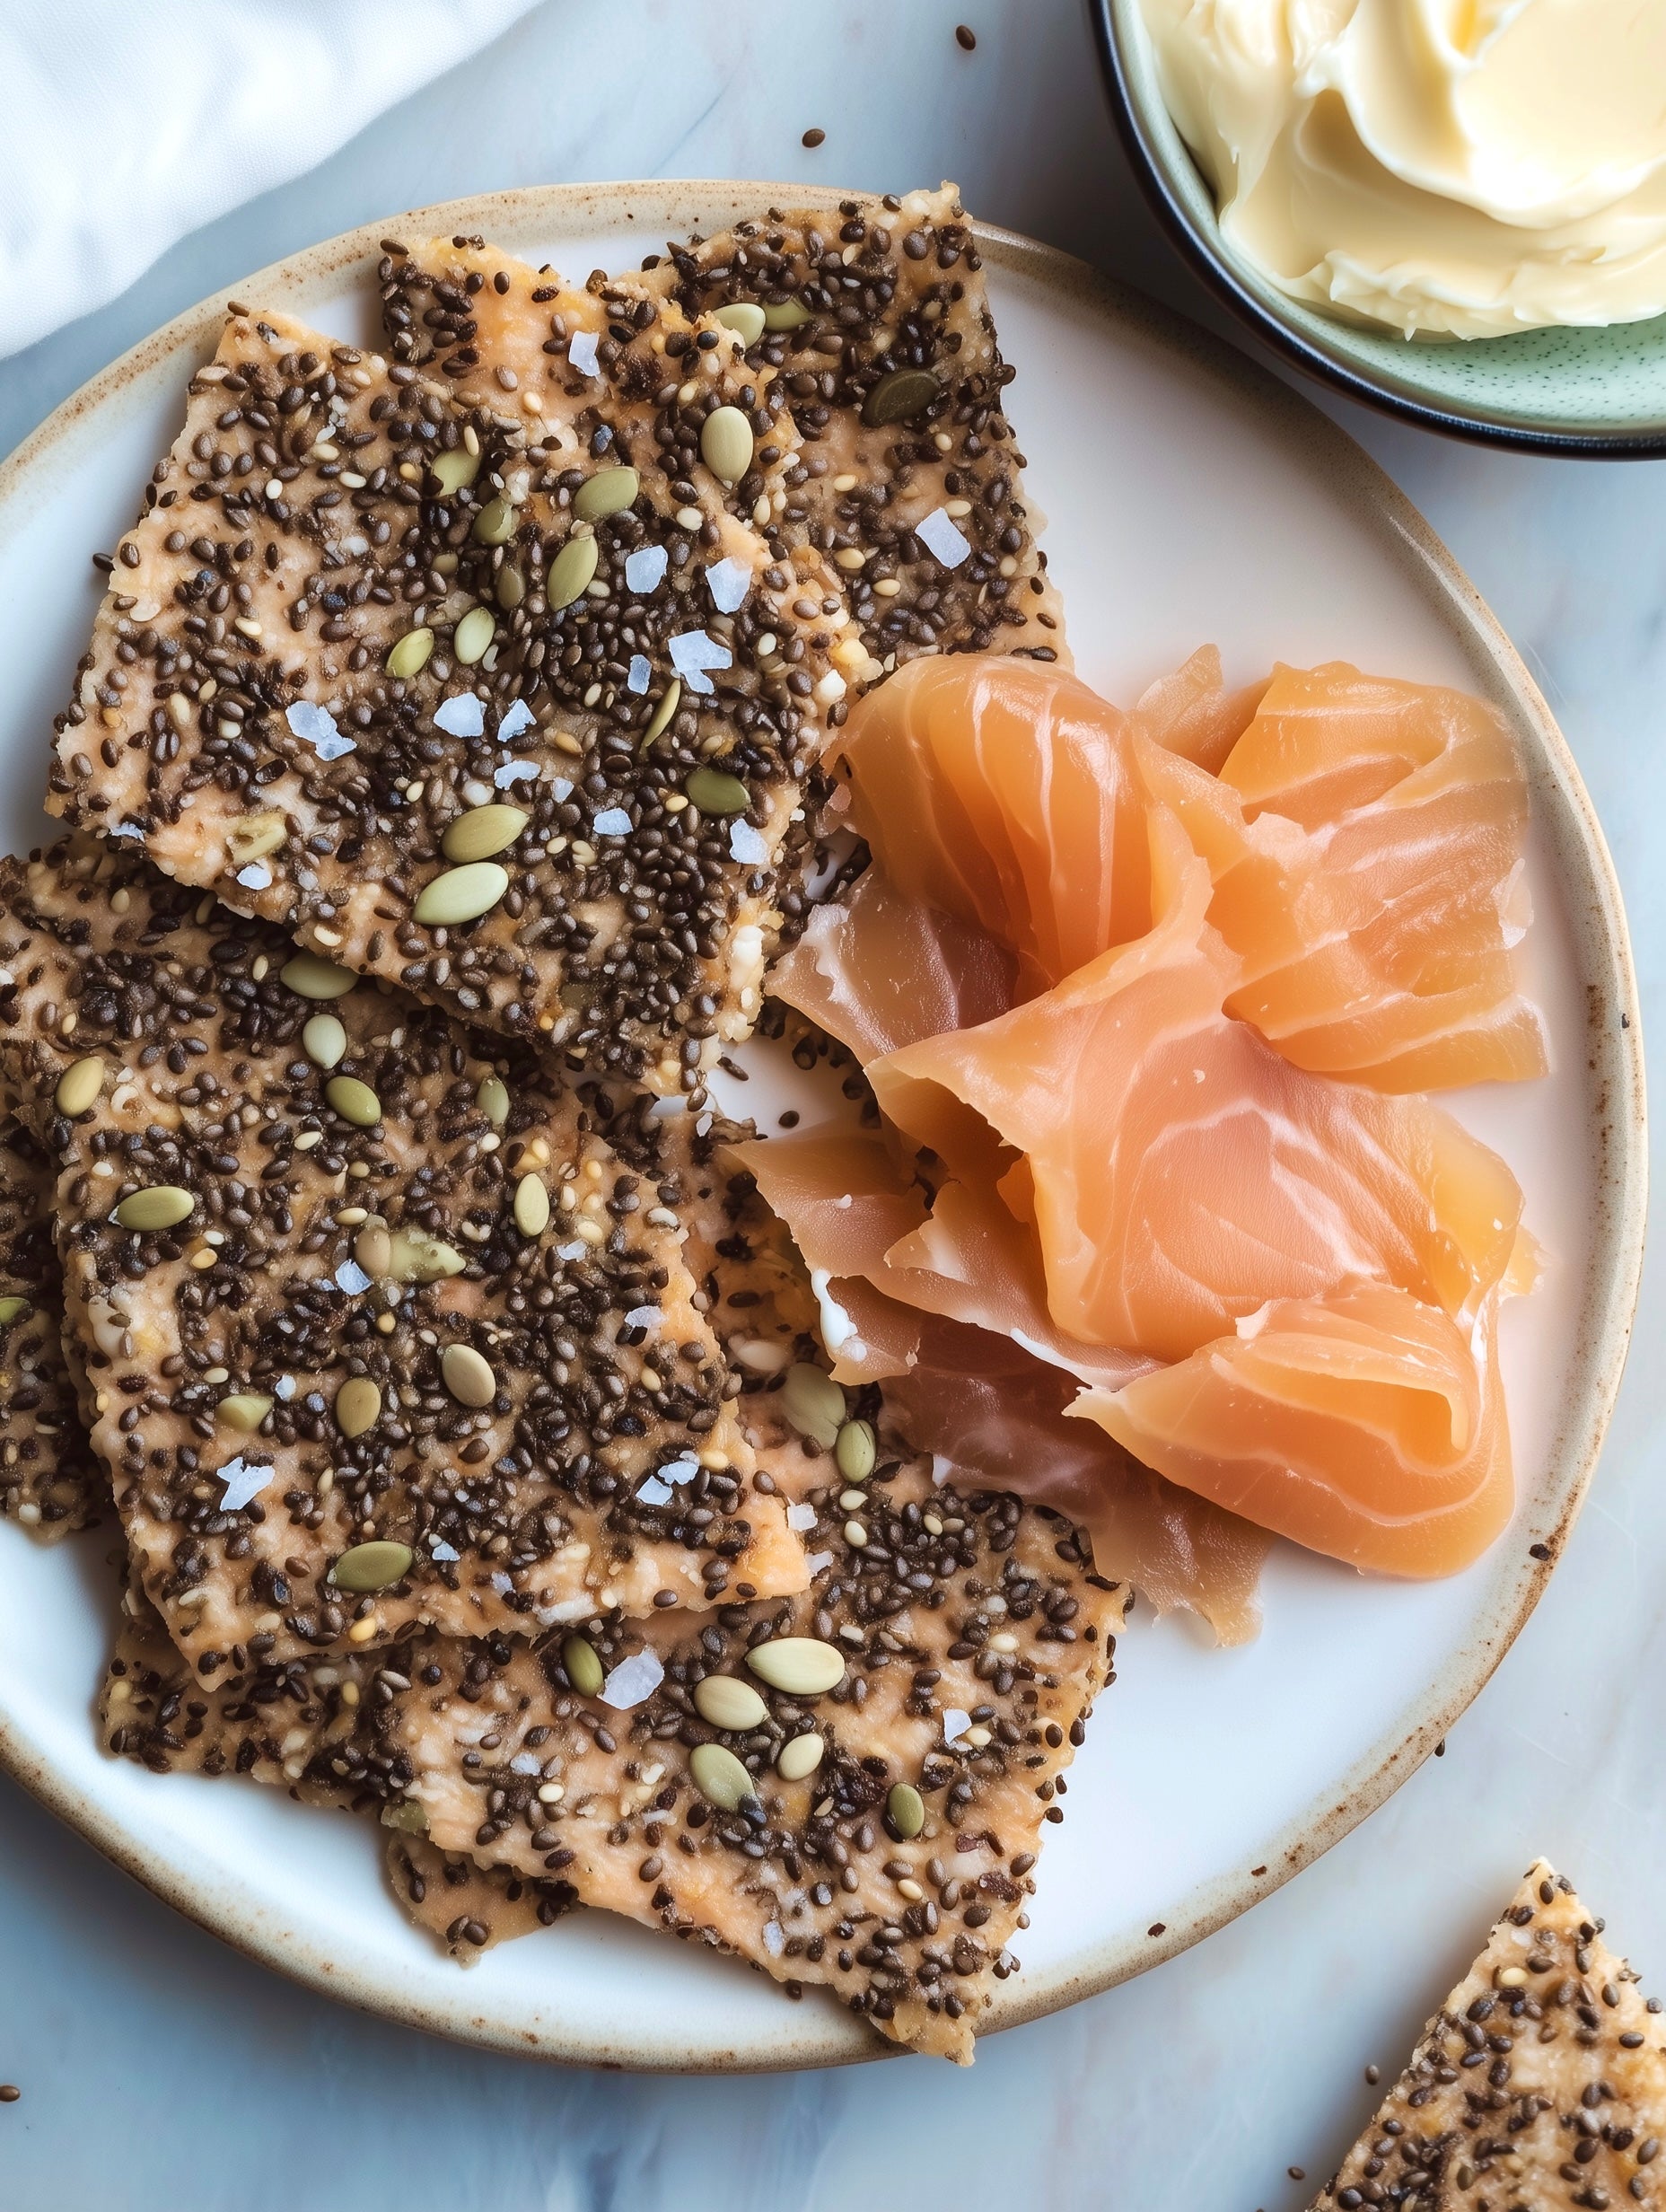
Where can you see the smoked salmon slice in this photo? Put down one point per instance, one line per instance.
(1364, 1424)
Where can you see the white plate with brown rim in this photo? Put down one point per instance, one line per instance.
(1190, 497)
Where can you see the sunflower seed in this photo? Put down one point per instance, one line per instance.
(456, 469)
(714, 792)
(727, 1703)
(584, 1669)
(727, 444)
(854, 1451)
(372, 1566)
(161, 1206)
(745, 318)
(353, 1101)
(482, 831)
(461, 895)
(905, 1808)
(256, 836)
(416, 1256)
(358, 1407)
(467, 1377)
(813, 1404)
(661, 714)
(801, 1666)
(799, 1757)
(408, 1817)
(324, 1040)
(79, 1085)
(608, 492)
(310, 976)
(570, 571)
(532, 1206)
(786, 315)
(244, 1409)
(901, 396)
(510, 587)
(373, 1247)
(11, 1309)
(473, 636)
(495, 522)
(492, 1100)
(720, 1778)
(410, 656)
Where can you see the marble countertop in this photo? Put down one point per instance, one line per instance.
(159, 2069)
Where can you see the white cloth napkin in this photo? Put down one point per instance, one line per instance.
(130, 122)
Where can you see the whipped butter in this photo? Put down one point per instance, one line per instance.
(1465, 168)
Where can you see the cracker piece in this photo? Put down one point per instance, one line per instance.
(895, 314)
(1539, 2084)
(470, 1910)
(49, 1482)
(247, 711)
(291, 1277)
(975, 1638)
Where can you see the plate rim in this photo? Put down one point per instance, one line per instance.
(1617, 1254)
(1207, 260)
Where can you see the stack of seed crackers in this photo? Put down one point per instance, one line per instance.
(441, 779)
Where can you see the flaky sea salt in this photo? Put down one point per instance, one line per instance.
(633, 1680)
(462, 717)
(316, 726)
(939, 536)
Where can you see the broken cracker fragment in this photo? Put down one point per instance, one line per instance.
(1541, 2083)
(50, 1484)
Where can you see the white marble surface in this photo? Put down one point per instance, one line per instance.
(159, 2070)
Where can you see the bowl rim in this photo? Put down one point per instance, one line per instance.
(1150, 172)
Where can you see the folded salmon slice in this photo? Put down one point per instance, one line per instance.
(947, 1309)
(1364, 839)
(1180, 1174)
(1365, 1425)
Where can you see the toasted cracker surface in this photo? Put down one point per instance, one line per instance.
(1539, 2084)
(49, 1481)
(317, 1254)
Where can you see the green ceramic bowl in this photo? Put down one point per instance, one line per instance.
(1598, 393)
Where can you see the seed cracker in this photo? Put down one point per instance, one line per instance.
(49, 1482)
(470, 1910)
(294, 1275)
(1541, 2083)
(974, 1650)
(247, 714)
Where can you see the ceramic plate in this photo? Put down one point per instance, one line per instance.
(1191, 498)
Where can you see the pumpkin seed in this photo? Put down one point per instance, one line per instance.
(373, 1247)
(372, 1566)
(492, 1100)
(905, 1810)
(608, 492)
(661, 717)
(358, 1407)
(473, 634)
(899, 397)
(353, 1101)
(799, 1757)
(786, 315)
(309, 976)
(510, 587)
(853, 1452)
(407, 1816)
(495, 522)
(79, 1085)
(720, 1778)
(11, 1309)
(482, 831)
(801, 1666)
(467, 1377)
(532, 1206)
(410, 654)
(728, 1703)
(584, 1669)
(727, 444)
(244, 1409)
(161, 1206)
(745, 318)
(324, 1040)
(813, 1404)
(416, 1256)
(256, 836)
(461, 895)
(714, 792)
(456, 469)
(570, 571)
